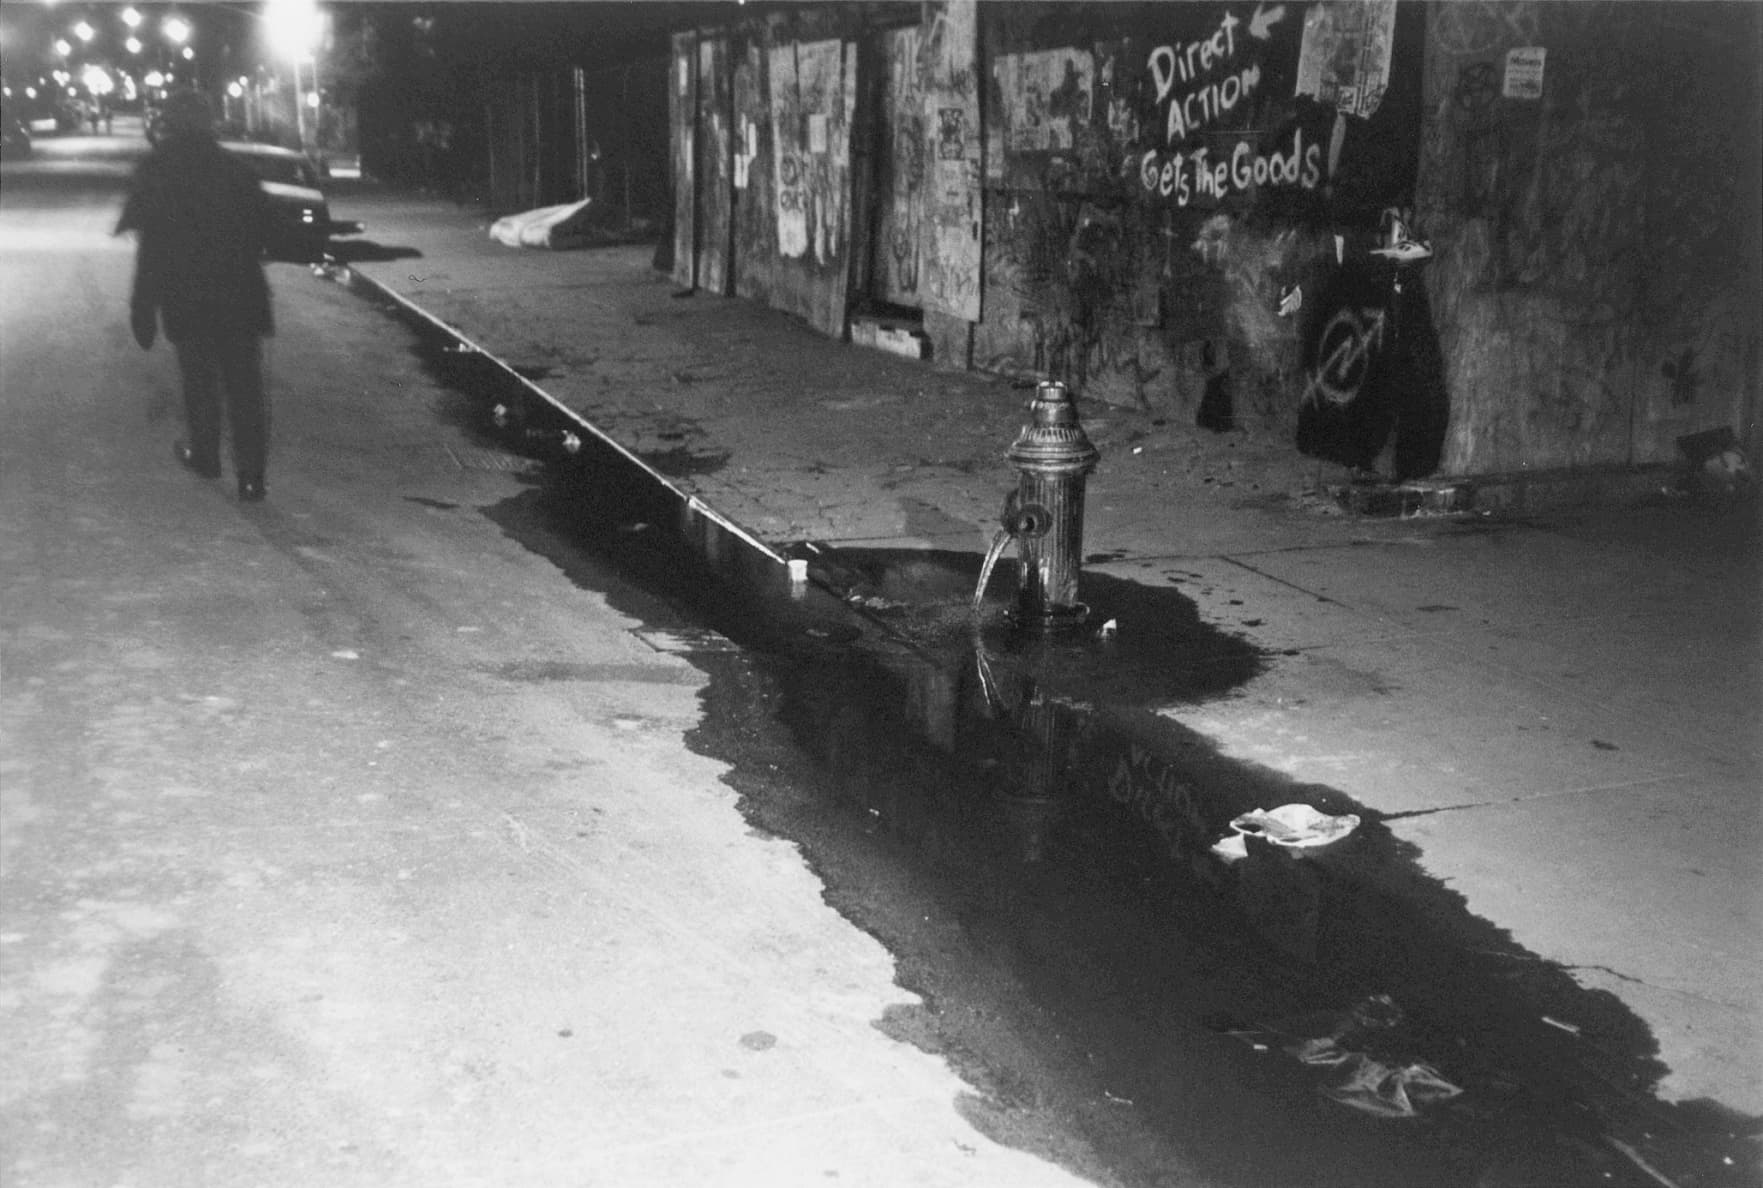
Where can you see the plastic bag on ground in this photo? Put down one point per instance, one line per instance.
(1334, 1041)
(1290, 826)
(1373, 1087)
(555, 227)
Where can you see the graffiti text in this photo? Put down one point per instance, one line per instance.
(1188, 62)
(1189, 113)
(1201, 174)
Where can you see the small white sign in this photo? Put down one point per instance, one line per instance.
(817, 133)
(1524, 72)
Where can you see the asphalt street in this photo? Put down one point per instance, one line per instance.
(429, 823)
(346, 841)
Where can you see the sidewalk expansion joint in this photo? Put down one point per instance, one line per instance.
(1510, 801)
(1261, 573)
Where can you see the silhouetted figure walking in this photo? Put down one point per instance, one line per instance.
(200, 218)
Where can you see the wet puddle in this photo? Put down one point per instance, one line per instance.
(1011, 816)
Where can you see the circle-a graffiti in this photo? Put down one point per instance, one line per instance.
(1344, 353)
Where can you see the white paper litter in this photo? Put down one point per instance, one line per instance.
(554, 227)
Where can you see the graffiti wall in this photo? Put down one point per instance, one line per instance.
(951, 228)
(1422, 239)
(900, 171)
(1590, 176)
(812, 98)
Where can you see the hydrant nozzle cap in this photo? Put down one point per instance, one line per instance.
(1053, 442)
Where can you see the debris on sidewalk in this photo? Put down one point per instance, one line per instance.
(555, 227)
(1291, 826)
(1355, 1045)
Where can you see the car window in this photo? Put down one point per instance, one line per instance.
(287, 171)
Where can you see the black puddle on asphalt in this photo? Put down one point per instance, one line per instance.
(1032, 845)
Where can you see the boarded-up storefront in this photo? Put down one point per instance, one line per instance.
(1226, 211)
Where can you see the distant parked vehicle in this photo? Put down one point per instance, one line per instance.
(301, 226)
(15, 139)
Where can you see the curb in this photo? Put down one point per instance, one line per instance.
(700, 523)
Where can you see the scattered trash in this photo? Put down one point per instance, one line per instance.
(1343, 1042)
(555, 227)
(1569, 1028)
(1714, 465)
(1109, 629)
(1634, 1157)
(1291, 826)
(1231, 849)
(1378, 1089)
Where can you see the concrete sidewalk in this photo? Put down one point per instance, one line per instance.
(1561, 713)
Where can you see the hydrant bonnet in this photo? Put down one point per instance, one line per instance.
(1053, 443)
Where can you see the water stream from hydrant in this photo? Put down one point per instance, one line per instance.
(1000, 542)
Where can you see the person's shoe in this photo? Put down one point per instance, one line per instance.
(251, 488)
(191, 461)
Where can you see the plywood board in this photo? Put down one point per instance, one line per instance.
(813, 96)
(900, 172)
(715, 153)
(755, 189)
(682, 107)
(953, 223)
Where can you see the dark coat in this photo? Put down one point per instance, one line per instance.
(201, 219)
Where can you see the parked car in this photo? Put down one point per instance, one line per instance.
(301, 226)
(15, 139)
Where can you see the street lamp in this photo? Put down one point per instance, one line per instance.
(84, 31)
(131, 17)
(294, 29)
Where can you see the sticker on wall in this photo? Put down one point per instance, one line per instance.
(1524, 72)
(1344, 60)
(817, 132)
(1047, 97)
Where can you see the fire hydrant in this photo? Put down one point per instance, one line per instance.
(1045, 514)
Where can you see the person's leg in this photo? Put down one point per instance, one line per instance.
(241, 366)
(197, 362)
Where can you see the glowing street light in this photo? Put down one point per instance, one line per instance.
(131, 17)
(133, 45)
(176, 30)
(62, 47)
(84, 31)
(294, 28)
